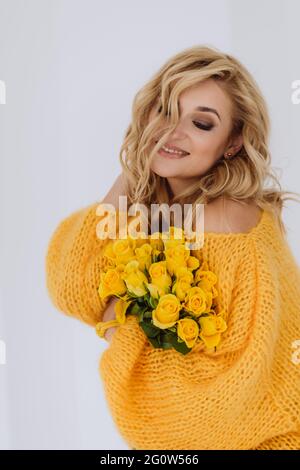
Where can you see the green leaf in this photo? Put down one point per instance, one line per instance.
(169, 334)
(153, 259)
(148, 314)
(149, 300)
(154, 342)
(134, 308)
(153, 302)
(146, 287)
(182, 348)
(166, 345)
(131, 294)
(140, 316)
(185, 313)
(168, 340)
(147, 295)
(143, 311)
(151, 330)
(174, 329)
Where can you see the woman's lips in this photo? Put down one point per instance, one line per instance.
(165, 153)
(172, 156)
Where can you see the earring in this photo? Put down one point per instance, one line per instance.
(227, 155)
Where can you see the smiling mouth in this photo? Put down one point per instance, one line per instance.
(172, 151)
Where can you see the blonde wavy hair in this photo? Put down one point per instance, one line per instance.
(243, 177)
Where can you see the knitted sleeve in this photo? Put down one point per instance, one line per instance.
(160, 399)
(73, 266)
(288, 441)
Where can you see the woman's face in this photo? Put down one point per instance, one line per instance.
(203, 133)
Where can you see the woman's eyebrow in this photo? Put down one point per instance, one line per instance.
(205, 109)
(209, 110)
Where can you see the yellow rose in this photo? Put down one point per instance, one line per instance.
(211, 328)
(198, 301)
(156, 242)
(208, 287)
(204, 273)
(123, 250)
(184, 279)
(140, 239)
(176, 256)
(108, 250)
(181, 287)
(120, 251)
(143, 255)
(188, 330)
(206, 280)
(111, 282)
(173, 237)
(167, 311)
(107, 263)
(134, 278)
(197, 254)
(183, 271)
(192, 263)
(176, 233)
(120, 308)
(155, 290)
(159, 275)
(155, 252)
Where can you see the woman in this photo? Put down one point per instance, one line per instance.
(199, 134)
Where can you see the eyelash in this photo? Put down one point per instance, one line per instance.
(198, 124)
(202, 126)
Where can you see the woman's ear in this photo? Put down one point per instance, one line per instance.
(235, 144)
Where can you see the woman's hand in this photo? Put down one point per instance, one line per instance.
(112, 197)
(110, 314)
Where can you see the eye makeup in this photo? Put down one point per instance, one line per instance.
(197, 124)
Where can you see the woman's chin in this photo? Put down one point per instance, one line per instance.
(165, 170)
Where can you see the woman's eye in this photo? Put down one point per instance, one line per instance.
(199, 125)
(205, 127)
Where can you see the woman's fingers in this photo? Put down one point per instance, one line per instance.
(108, 315)
(109, 333)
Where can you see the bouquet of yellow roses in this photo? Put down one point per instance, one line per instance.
(165, 287)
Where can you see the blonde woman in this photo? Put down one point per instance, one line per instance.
(199, 135)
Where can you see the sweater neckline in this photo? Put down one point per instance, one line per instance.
(263, 218)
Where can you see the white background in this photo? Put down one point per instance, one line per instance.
(72, 68)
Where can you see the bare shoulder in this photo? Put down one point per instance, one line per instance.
(230, 216)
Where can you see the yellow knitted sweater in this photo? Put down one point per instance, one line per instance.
(246, 395)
